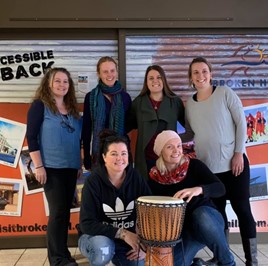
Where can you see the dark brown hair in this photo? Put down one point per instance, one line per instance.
(108, 137)
(166, 89)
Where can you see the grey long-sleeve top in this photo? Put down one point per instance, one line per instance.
(219, 128)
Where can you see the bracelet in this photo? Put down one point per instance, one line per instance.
(39, 167)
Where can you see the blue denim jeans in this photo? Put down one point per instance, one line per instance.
(100, 250)
(206, 229)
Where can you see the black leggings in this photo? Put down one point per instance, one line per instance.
(237, 191)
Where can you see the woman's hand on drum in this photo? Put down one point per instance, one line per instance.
(133, 240)
(187, 193)
(136, 255)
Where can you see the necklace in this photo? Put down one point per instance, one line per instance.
(155, 104)
(66, 122)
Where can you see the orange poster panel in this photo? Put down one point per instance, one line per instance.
(32, 218)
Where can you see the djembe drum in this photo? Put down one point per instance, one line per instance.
(160, 221)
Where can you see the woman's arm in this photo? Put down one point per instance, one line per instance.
(86, 132)
(236, 109)
(40, 172)
(131, 117)
(35, 119)
(188, 135)
(91, 222)
(181, 111)
(211, 185)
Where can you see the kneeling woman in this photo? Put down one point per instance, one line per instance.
(189, 179)
(108, 215)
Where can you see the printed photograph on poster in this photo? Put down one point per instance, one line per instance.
(258, 197)
(257, 128)
(83, 83)
(10, 196)
(11, 139)
(76, 204)
(258, 182)
(31, 185)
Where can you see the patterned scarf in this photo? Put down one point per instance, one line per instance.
(98, 111)
(172, 177)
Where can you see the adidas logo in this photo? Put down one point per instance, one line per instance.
(120, 213)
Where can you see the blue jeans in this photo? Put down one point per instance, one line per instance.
(100, 250)
(206, 229)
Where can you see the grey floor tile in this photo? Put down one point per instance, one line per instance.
(38, 257)
(12, 251)
(9, 259)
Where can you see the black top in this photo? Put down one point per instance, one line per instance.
(105, 208)
(198, 174)
(36, 116)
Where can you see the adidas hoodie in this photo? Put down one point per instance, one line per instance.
(105, 208)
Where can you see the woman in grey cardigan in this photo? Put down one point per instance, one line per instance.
(216, 120)
(155, 109)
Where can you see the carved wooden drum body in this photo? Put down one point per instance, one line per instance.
(160, 221)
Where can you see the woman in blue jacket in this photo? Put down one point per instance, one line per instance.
(53, 134)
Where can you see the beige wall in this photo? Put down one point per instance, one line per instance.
(134, 14)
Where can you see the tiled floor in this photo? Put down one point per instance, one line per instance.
(38, 257)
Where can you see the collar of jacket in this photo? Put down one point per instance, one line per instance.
(150, 114)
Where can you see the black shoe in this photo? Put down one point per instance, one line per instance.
(71, 264)
(67, 262)
(201, 262)
(71, 259)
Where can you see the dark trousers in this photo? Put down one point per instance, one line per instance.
(59, 190)
(237, 191)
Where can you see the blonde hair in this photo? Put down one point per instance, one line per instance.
(160, 164)
(105, 59)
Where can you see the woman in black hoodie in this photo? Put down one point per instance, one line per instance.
(108, 215)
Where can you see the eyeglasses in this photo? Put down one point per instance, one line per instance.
(67, 124)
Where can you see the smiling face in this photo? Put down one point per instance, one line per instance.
(172, 153)
(108, 73)
(154, 81)
(201, 75)
(116, 158)
(59, 84)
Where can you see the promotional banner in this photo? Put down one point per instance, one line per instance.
(238, 61)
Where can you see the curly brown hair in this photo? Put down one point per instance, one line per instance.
(44, 93)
